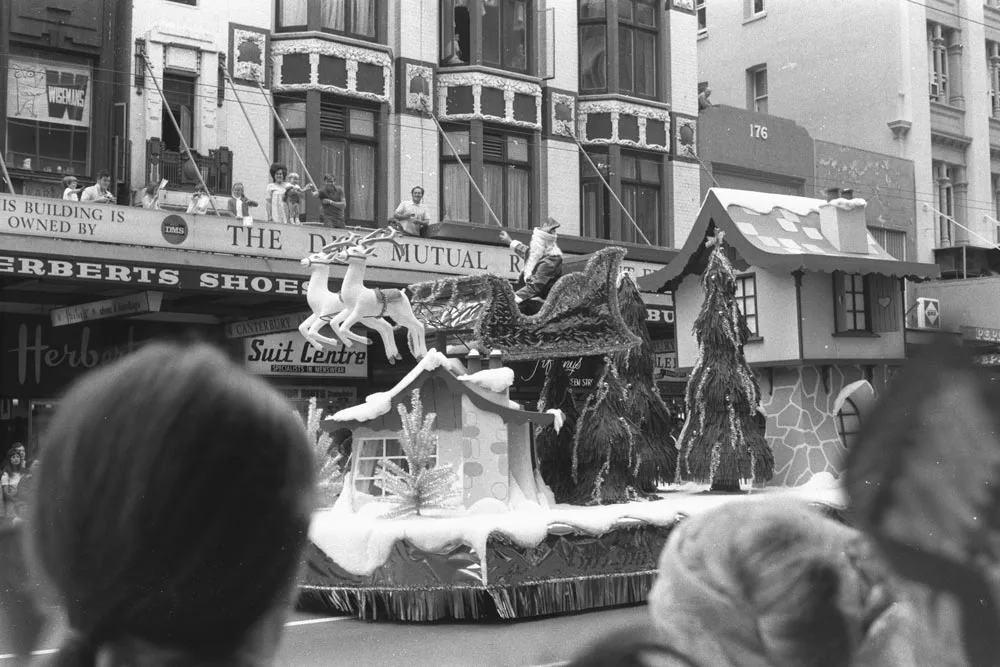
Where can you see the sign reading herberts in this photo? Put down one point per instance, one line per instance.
(48, 218)
(289, 354)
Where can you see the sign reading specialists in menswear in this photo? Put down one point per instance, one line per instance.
(48, 218)
(289, 354)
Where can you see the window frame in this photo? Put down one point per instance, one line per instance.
(629, 235)
(754, 97)
(613, 19)
(359, 448)
(890, 238)
(309, 25)
(939, 38)
(701, 12)
(476, 58)
(847, 436)
(611, 162)
(944, 176)
(189, 79)
(846, 315)
(638, 28)
(348, 138)
(742, 299)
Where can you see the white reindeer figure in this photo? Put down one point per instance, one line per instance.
(362, 304)
(325, 304)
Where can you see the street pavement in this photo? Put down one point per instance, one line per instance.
(330, 641)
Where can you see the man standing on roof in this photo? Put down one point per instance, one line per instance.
(542, 266)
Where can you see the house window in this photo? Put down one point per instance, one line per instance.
(944, 174)
(179, 95)
(637, 47)
(348, 149)
(893, 241)
(848, 422)
(354, 18)
(593, 45)
(48, 115)
(506, 178)
(504, 26)
(942, 53)
(370, 452)
(638, 179)
(851, 301)
(746, 299)
(699, 7)
(757, 89)
(753, 8)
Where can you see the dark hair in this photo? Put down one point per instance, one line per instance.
(172, 504)
(417, 187)
(67, 180)
(276, 167)
(103, 173)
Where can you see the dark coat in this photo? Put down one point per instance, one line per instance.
(542, 278)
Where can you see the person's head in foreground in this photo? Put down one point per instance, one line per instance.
(171, 510)
(773, 583)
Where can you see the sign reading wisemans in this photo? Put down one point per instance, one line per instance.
(289, 354)
(53, 218)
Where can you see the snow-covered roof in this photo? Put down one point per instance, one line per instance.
(779, 232)
(453, 373)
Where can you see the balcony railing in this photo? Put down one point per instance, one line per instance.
(216, 167)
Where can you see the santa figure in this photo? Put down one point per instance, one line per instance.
(542, 266)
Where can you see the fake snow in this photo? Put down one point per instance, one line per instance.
(848, 391)
(380, 403)
(559, 418)
(497, 380)
(361, 542)
(764, 202)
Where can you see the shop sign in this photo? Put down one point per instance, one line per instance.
(51, 92)
(265, 325)
(981, 334)
(289, 354)
(133, 304)
(53, 218)
(988, 360)
(659, 315)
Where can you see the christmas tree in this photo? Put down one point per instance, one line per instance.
(422, 485)
(555, 448)
(645, 409)
(330, 474)
(720, 442)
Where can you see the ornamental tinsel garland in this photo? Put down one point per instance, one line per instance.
(422, 485)
(646, 409)
(330, 476)
(720, 442)
(555, 450)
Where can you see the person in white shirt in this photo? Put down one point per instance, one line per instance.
(98, 193)
(411, 215)
(70, 190)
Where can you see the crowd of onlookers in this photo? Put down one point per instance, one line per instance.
(16, 476)
(285, 200)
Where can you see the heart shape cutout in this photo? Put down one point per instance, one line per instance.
(884, 301)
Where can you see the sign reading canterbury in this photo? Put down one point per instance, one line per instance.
(289, 354)
(29, 216)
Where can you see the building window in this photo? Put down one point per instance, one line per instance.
(893, 241)
(354, 18)
(942, 53)
(757, 89)
(995, 180)
(504, 26)
(746, 299)
(506, 178)
(48, 115)
(848, 422)
(753, 8)
(179, 95)
(993, 72)
(593, 45)
(699, 7)
(851, 301)
(348, 150)
(944, 173)
(372, 451)
(637, 47)
(639, 179)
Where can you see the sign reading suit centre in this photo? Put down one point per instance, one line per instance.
(289, 354)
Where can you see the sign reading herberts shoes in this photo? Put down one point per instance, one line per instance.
(48, 91)
(289, 354)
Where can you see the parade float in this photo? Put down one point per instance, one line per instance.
(458, 503)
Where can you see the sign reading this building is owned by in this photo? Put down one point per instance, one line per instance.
(289, 354)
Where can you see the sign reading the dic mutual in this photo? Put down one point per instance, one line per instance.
(289, 354)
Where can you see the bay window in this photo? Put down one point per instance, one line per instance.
(505, 180)
(347, 148)
(635, 27)
(354, 18)
(48, 115)
(503, 27)
(637, 178)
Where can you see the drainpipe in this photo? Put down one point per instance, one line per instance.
(798, 309)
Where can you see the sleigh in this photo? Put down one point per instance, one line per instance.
(580, 317)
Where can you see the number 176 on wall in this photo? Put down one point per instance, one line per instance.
(758, 131)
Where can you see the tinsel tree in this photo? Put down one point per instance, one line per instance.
(606, 457)
(329, 477)
(555, 448)
(646, 410)
(422, 485)
(720, 443)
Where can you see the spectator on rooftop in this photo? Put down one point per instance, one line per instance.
(71, 191)
(98, 193)
(277, 211)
